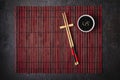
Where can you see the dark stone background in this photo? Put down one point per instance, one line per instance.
(111, 40)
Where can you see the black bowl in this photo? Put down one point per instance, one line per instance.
(86, 23)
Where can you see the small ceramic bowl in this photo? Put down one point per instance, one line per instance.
(86, 23)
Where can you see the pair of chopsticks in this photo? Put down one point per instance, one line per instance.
(69, 37)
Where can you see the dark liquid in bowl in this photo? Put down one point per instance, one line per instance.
(85, 23)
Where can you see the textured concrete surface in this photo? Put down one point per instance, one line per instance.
(111, 40)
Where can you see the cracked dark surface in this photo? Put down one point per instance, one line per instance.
(111, 40)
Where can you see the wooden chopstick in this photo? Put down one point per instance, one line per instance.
(70, 38)
(71, 41)
(66, 29)
(70, 25)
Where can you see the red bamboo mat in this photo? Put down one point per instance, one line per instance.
(42, 47)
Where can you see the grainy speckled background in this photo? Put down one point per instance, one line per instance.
(111, 40)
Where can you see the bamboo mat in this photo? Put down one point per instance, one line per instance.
(42, 47)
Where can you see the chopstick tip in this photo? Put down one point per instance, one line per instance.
(76, 63)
